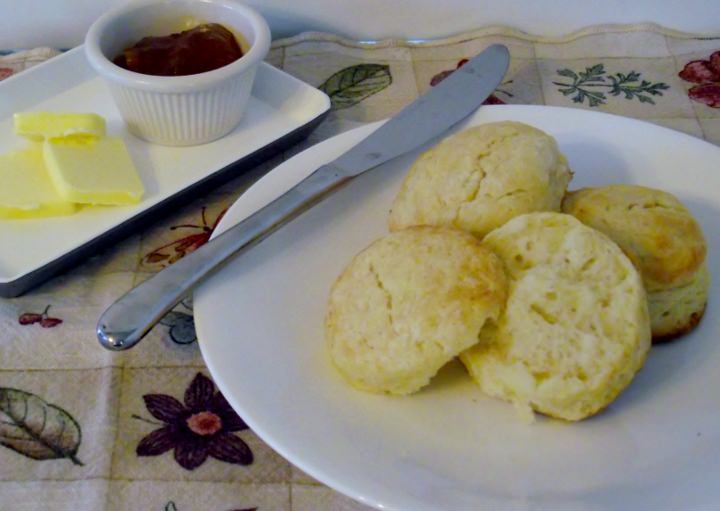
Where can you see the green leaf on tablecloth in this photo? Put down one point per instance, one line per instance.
(585, 85)
(34, 428)
(567, 72)
(351, 85)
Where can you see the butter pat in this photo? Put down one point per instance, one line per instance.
(96, 172)
(25, 187)
(41, 126)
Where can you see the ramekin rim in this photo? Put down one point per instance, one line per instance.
(106, 68)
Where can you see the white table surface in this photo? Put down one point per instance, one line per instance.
(63, 23)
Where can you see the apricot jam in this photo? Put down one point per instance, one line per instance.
(200, 49)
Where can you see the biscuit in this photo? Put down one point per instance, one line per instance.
(658, 233)
(482, 177)
(575, 329)
(408, 304)
(676, 311)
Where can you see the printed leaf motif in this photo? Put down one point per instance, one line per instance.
(593, 73)
(37, 429)
(585, 85)
(568, 73)
(353, 84)
(182, 327)
(181, 323)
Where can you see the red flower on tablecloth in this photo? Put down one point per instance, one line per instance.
(5, 72)
(199, 427)
(491, 100)
(45, 321)
(705, 73)
(179, 248)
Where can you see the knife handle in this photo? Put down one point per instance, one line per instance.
(132, 316)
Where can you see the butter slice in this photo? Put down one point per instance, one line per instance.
(93, 172)
(39, 126)
(25, 187)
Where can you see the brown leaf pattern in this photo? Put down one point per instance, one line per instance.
(34, 428)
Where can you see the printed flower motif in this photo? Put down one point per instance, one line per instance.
(707, 93)
(179, 248)
(706, 73)
(45, 321)
(199, 428)
(491, 100)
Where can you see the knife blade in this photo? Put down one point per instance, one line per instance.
(127, 320)
(431, 114)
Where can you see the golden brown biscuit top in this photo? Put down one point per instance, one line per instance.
(480, 178)
(429, 273)
(408, 304)
(655, 230)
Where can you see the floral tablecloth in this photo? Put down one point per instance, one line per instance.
(85, 429)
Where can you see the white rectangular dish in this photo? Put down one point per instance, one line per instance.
(282, 111)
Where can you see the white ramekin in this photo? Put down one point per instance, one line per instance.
(178, 110)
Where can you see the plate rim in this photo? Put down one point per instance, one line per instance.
(228, 221)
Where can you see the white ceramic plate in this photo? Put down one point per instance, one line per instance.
(281, 111)
(260, 324)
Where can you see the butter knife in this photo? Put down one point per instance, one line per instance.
(127, 320)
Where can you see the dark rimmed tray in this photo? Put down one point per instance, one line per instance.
(282, 111)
